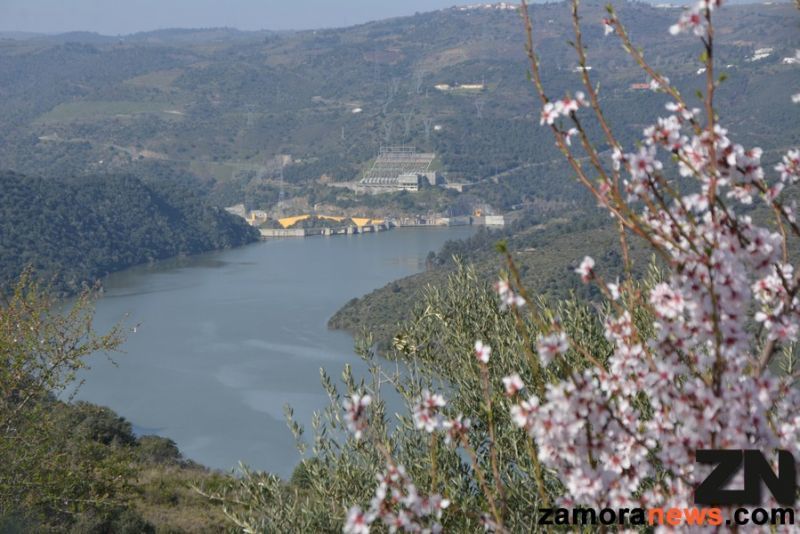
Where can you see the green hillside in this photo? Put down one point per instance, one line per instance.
(72, 232)
(217, 104)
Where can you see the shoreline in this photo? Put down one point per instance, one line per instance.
(495, 221)
(240, 333)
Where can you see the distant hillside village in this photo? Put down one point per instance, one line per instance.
(313, 224)
(395, 169)
(305, 225)
(400, 168)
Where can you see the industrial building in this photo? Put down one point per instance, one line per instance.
(399, 169)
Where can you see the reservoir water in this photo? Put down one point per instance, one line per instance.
(218, 343)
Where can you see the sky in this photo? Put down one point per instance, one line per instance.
(114, 17)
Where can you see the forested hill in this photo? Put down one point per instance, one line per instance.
(221, 105)
(75, 231)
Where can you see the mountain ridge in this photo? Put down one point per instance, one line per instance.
(220, 109)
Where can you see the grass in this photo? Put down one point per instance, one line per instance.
(223, 171)
(158, 79)
(167, 500)
(96, 110)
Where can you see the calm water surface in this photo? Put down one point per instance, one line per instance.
(224, 340)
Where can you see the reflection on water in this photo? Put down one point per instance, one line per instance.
(224, 340)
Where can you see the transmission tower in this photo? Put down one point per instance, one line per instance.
(427, 122)
(251, 114)
(387, 131)
(479, 105)
(377, 71)
(419, 79)
(281, 192)
(407, 120)
(273, 168)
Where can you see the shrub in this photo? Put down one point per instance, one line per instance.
(517, 404)
(158, 450)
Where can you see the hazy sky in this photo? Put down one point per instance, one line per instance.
(114, 17)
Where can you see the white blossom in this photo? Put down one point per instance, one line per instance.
(356, 413)
(508, 298)
(513, 384)
(551, 345)
(691, 19)
(608, 27)
(356, 522)
(482, 351)
(586, 269)
(426, 411)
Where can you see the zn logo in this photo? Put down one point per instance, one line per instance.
(757, 469)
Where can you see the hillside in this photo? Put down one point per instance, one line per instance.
(73, 232)
(546, 249)
(218, 104)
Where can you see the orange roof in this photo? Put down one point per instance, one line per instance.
(286, 222)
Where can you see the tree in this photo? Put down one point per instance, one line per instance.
(53, 466)
(600, 404)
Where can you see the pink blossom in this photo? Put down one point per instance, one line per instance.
(667, 132)
(617, 158)
(666, 302)
(644, 163)
(691, 20)
(773, 192)
(455, 428)
(725, 271)
(790, 211)
(508, 298)
(684, 114)
(524, 414)
(586, 269)
(426, 411)
(549, 114)
(569, 134)
(482, 351)
(613, 290)
(356, 413)
(356, 522)
(656, 85)
(643, 166)
(551, 346)
(513, 384)
(789, 167)
(399, 505)
(696, 367)
(567, 105)
(608, 27)
(562, 108)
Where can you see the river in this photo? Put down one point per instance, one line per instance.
(218, 343)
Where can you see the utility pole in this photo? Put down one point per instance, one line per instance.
(479, 105)
(281, 191)
(387, 131)
(427, 122)
(407, 119)
(419, 78)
